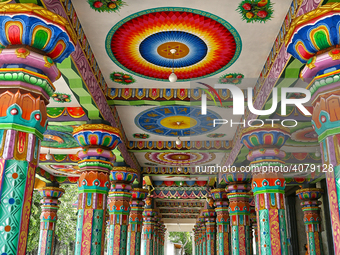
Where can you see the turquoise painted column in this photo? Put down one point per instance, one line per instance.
(268, 184)
(313, 40)
(48, 218)
(136, 221)
(149, 215)
(97, 140)
(239, 212)
(119, 208)
(222, 221)
(30, 45)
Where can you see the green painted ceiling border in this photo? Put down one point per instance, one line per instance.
(76, 84)
(67, 123)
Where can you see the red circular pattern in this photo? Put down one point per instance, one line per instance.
(216, 35)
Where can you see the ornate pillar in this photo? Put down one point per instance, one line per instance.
(311, 40)
(268, 184)
(161, 246)
(156, 235)
(312, 218)
(48, 218)
(200, 236)
(204, 235)
(253, 222)
(210, 223)
(136, 221)
(222, 221)
(97, 140)
(196, 239)
(149, 214)
(119, 207)
(28, 52)
(239, 212)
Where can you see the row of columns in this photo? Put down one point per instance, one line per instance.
(237, 228)
(29, 71)
(235, 223)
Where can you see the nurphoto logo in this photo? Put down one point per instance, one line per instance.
(238, 105)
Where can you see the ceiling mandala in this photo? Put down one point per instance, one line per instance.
(141, 44)
(179, 159)
(176, 121)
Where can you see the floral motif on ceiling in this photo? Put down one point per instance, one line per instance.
(122, 78)
(180, 158)
(176, 121)
(231, 78)
(256, 10)
(106, 5)
(61, 98)
(141, 43)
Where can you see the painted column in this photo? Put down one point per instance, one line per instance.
(210, 224)
(48, 218)
(268, 184)
(253, 222)
(222, 221)
(199, 229)
(156, 235)
(196, 238)
(29, 47)
(119, 207)
(149, 214)
(163, 229)
(136, 221)
(97, 140)
(239, 212)
(312, 218)
(311, 40)
(204, 235)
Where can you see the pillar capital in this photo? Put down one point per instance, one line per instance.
(311, 33)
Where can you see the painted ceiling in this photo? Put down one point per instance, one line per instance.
(119, 72)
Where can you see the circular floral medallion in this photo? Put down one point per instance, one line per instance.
(176, 121)
(179, 158)
(141, 44)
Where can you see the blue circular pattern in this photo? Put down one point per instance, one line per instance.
(11, 201)
(197, 48)
(150, 120)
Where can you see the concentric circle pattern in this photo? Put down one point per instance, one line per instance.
(176, 121)
(179, 158)
(190, 49)
(205, 43)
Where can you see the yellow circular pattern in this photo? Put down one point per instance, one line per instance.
(181, 50)
(178, 122)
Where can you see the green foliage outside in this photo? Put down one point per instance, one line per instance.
(183, 238)
(66, 223)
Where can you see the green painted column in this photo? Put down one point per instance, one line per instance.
(27, 74)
